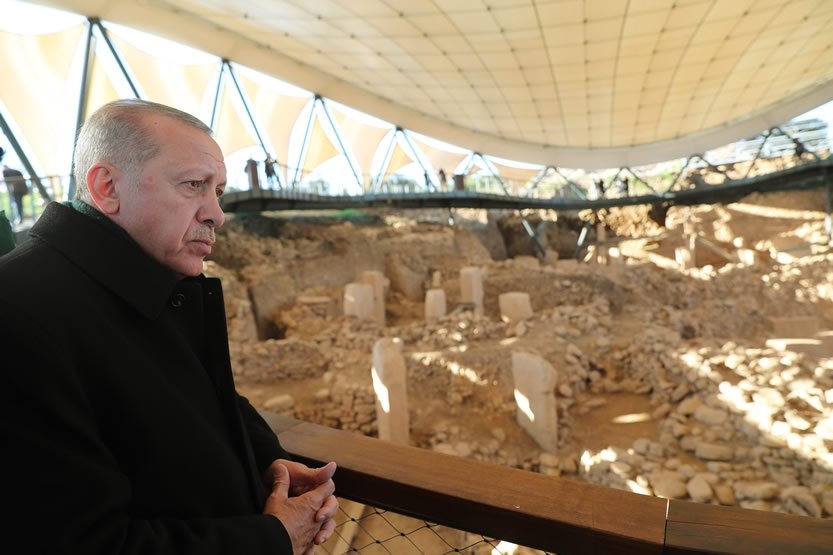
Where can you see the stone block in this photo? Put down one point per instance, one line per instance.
(567, 266)
(785, 257)
(811, 347)
(783, 243)
(526, 261)
(826, 338)
(407, 275)
(515, 306)
(795, 326)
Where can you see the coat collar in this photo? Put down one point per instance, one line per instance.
(108, 254)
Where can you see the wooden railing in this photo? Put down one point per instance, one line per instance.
(530, 509)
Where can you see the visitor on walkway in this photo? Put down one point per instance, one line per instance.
(16, 185)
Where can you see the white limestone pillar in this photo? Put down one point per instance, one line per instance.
(389, 385)
(358, 300)
(435, 305)
(535, 382)
(471, 287)
(377, 282)
(795, 326)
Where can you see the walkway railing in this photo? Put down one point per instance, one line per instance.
(727, 187)
(555, 515)
(815, 174)
(41, 192)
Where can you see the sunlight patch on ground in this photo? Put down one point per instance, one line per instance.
(632, 418)
(773, 212)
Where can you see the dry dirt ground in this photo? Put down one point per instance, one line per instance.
(615, 333)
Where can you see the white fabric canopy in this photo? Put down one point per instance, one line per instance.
(571, 83)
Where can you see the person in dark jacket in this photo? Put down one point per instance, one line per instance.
(121, 428)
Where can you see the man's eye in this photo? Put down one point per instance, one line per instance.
(196, 184)
(220, 191)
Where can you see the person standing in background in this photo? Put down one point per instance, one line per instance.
(16, 185)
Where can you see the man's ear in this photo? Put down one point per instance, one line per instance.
(101, 182)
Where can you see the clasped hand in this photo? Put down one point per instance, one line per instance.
(303, 500)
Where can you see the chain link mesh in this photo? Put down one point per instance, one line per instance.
(373, 531)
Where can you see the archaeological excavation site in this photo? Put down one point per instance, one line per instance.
(689, 358)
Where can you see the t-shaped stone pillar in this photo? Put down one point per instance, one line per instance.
(535, 382)
(471, 287)
(389, 385)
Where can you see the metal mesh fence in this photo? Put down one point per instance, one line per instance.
(373, 531)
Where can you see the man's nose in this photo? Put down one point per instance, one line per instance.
(212, 214)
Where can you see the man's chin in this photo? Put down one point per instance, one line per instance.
(189, 269)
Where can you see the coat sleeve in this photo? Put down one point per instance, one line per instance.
(63, 489)
(265, 443)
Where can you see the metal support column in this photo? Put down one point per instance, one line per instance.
(84, 93)
(33, 177)
(429, 184)
(97, 23)
(252, 121)
(340, 142)
(304, 144)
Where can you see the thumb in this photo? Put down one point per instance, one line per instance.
(326, 472)
(280, 483)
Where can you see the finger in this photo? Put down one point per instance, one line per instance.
(269, 474)
(280, 483)
(301, 477)
(326, 472)
(328, 509)
(329, 486)
(325, 532)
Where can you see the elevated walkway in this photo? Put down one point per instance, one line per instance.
(805, 176)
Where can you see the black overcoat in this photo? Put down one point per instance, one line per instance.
(120, 426)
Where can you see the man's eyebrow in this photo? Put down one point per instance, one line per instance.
(194, 172)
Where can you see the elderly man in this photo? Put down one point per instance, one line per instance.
(121, 428)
